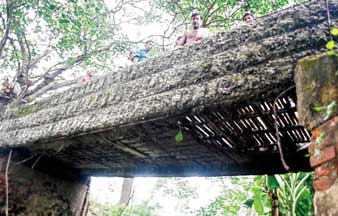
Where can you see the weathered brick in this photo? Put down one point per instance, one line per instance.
(325, 143)
(325, 155)
(336, 146)
(336, 167)
(331, 125)
(312, 148)
(321, 170)
(322, 183)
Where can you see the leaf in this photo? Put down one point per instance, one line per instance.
(258, 204)
(63, 21)
(249, 203)
(320, 138)
(266, 201)
(332, 106)
(330, 44)
(330, 110)
(334, 31)
(51, 6)
(259, 181)
(179, 136)
(271, 182)
(319, 108)
(331, 53)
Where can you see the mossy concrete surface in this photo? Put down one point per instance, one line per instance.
(316, 81)
(34, 193)
(326, 201)
(242, 64)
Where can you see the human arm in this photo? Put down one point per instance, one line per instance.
(182, 40)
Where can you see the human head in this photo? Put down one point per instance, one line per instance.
(149, 44)
(196, 20)
(248, 17)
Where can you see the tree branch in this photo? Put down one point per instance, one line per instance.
(209, 10)
(9, 5)
(59, 68)
(51, 87)
(38, 59)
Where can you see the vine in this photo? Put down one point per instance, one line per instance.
(331, 45)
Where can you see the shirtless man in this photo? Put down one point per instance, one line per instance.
(197, 34)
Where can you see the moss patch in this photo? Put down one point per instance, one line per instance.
(26, 110)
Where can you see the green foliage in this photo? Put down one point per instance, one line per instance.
(110, 210)
(75, 25)
(329, 109)
(334, 31)
(271, 182)
(179, 136)
(231, 200)
(331, 45)
(294, 192)
(262, 203)
(176, 187)
(46, 38)
(319, 108)
(220, 14)
(26, 110)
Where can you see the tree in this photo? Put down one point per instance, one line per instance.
(176, 190)
(44, 43)
(288, 194)
(232, 198)
(98, 209)
(295, 193)
(126, 191)
(219, 14)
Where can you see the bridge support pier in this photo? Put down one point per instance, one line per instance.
(317, 95)
(31, 192)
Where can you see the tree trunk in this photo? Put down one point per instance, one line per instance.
(274, 202)
(126, 192)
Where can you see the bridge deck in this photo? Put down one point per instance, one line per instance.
(218, 92)
(216, 141)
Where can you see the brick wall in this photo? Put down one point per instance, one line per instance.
(323, 152)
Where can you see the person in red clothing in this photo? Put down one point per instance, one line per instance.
(7, 89)
(87, 78)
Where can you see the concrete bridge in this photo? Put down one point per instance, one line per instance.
(219, 94)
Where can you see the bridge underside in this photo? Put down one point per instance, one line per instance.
(218, 93)
(219, 140)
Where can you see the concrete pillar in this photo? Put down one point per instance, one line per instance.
(317, 95)
(36, 193)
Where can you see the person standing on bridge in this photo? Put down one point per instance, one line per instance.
(197, 34)
(142, 54)
(7, 89)
(248, 17)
